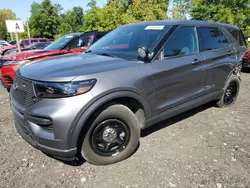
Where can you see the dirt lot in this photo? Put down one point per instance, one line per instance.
(205, 147)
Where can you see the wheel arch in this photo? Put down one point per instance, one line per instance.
(79, 127)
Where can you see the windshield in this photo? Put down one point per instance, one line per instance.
(123, 42)
(60, 43)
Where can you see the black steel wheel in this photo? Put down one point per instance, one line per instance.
(110, 137)
(231, 92)
(113, 135)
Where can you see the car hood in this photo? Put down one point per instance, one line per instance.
(31, 54)
(10, 47)
(67, 67)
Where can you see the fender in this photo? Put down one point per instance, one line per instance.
(94, 104)
(236, 71)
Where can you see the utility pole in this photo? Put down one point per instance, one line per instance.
(28, 28)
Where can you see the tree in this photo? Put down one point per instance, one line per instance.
(44, 19)
(71, 21)
(234, 12)
(5, 14)
(119, 12)
(180, 9)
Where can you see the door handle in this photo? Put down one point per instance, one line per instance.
(195, 61)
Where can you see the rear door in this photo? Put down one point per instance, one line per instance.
(220, 57)
(179, 75)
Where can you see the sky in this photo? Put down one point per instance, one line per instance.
(22, 7)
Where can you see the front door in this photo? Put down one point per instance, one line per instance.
(179, 75)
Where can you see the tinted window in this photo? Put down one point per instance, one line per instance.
(34, 41)
(43, 40)
(41, 45)
(25, 42)
(238, 36)
(98, 36)
(182, 42)
(212, 38)
(84, 40)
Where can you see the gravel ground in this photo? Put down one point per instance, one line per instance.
(205, 147)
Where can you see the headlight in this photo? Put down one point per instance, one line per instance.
(16, 62)
(59, 90)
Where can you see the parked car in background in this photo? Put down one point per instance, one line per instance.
(71, 43)
(3, 43)
(96, 103)
(23, 44)
(34, 46)
(13, 42)
(246, 59)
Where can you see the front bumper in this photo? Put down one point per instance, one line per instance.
(52, 139)
(29, 137)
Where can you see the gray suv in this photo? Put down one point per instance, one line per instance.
(96, 103)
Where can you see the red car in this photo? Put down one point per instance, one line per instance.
(23, 44)
(71, 43)
(246, 59)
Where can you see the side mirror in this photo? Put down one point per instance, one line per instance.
(143, 53)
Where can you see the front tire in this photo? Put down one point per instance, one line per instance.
(231, 92)
(112, 137)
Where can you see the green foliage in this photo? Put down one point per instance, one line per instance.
(180, 9)
(45, 19)
(119, 12)
(5, 15)
(234, 12)
(71, 21)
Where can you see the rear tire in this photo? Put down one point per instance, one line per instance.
(112, 137)
(231, 92)
(8, 89)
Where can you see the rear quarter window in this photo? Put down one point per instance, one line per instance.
(238, 36)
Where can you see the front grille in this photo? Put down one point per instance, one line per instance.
(8, 79)
(2, 61)
(22, 92)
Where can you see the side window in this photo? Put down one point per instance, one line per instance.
(34, 41)
(242, 39)
(238, 36)
(84, 40)
(183, 42)
(98, 36)
(24, 42)
(212, 38)
(43, 40)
